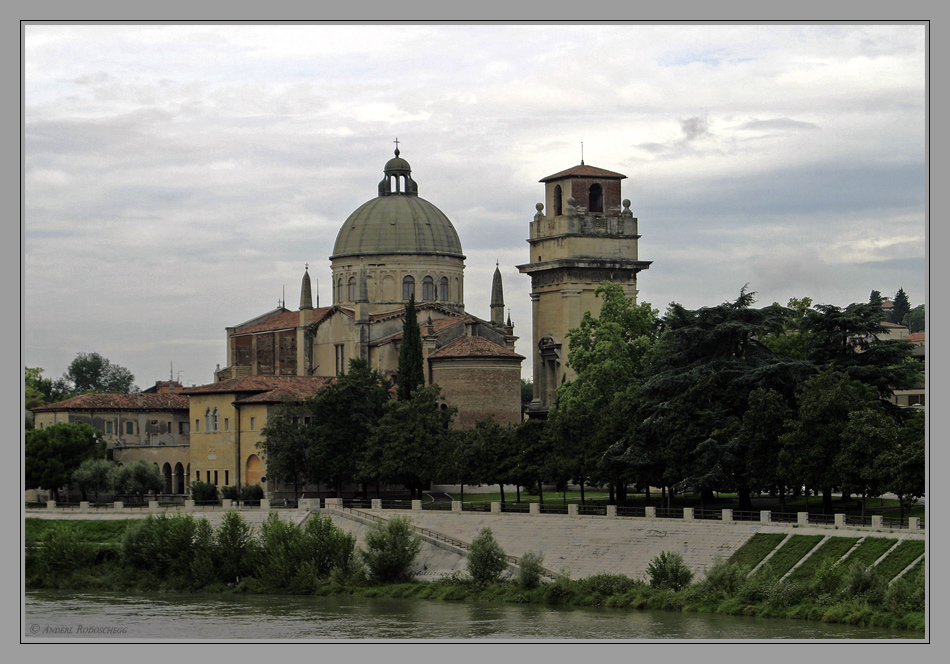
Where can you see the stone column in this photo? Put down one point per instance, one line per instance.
(496, 507)
(534, 508)
(153, 506)
(803, 518)
(839, 521)
(913, 523)
(265, 505)
(83, 505)
(189, 505)
(727, 516)
(688, 514)
(650, 512)
(572, 509)
(417, 505)
(226, 503)
(611, 510)
(877, 521)
(377, 504)
(117, 505)
(51, 504)
(456, 506)
(765, 516)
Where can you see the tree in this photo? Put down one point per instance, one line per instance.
(905, 462)
(867, 438)
(489, 455)
(96, 475)
(486, 560)
(342, 417)
(916, 319)
(759, 436)
(90, 372)
(814, 440)
(139, 478)
(391, 548)
(901, 307)
(52, 454)
(410, 370)
(412, 442)
(284, 444)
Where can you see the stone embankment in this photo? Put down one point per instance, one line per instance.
(578, 545)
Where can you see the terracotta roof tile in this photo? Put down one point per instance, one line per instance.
(583, 172)
(142, 401)
(473, 347)
(257, 384)
(917, 337)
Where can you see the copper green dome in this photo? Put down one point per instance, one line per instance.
(397, 221)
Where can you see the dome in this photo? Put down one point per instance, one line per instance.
(397, 221)
(397, 224)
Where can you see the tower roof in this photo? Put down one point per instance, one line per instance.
(583, 171)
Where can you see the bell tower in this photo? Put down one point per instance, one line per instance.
(588, 236)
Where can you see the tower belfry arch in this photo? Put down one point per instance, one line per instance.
(587, 237)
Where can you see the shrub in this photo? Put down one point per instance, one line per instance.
(863, 583)
(530, 570)
(606, 585)
(252, 494)
(486, 560)
(559, 592)
(391, 546)
(161, 543)
(725, 578)
(230, 492)
(327, 546)
(282, 551)
(62, 550)
(758, 586)
(234, 548)
(668, 570)
(827, 579)
(203, 492)
(787, 593)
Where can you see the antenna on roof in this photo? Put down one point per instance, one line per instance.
(582, 153)
(318, 293)
(171, 371)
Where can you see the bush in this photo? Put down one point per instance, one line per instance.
(827, 580)
(230, 492)
(327, 546)
(61, 551)
(864, 584)
(530, 570)
(758, 587)
(203, 492)
(486, 559)
(725, 578)
(668, 570)
(252, 494)
(162, 544)
(391, 546)
(282, 551)
(234, 548)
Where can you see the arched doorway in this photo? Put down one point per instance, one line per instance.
(252, 471)
(167, 472)
(179, 485)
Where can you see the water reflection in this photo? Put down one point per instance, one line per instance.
(233, 617)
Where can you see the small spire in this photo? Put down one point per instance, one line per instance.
(497, 298)
(306, 293)
(397, 146)
(582, 153)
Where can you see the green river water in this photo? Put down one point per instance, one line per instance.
(76, 616)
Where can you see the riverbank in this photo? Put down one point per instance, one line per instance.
(853, 595)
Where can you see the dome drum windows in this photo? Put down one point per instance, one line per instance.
(351, 289)
(428, 289)
(408, 287)
(444, 289)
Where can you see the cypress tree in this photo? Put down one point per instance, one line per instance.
(410, 373)
(901, 307)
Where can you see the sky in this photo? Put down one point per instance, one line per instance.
(178, 178)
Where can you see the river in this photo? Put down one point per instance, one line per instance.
(75, 616)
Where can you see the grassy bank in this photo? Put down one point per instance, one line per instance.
(183, 554)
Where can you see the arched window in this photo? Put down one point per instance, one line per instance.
(595, 198)
(208, 419)
(214, 419)
(408, 287)
(557, 201)
(444, 289)
(339, 291)
(428, 288)
(351, 289)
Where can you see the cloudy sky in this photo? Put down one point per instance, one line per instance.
(179, 177)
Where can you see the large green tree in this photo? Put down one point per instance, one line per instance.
(139, 478)
(412, 443)
(53, 453)
(901, 307)
(490, 455)
(342, 417)
(866, 439)
(91, 372)
(94, 475)
(285, 446)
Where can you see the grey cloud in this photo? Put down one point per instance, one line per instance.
(778, 124)
(695, 127)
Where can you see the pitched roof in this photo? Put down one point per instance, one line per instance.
(286, 320)
(583, 171)
(917, 337)
(303, 385)
(473, 347)
(438, 325)
(141, 401)
(293, 392)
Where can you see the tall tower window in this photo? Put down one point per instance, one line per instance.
(339, 291)
(557, 201)
(428, 288)
(595, 198)
(351, 289)
(444, 289)
(408, 287)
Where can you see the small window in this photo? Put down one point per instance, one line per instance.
(340, 358)
(408, 287)
(216, 478)
(208, 476)
(197, 476)
(253, 423)
(306, 420)
(182, 427)
(109, 427)
(444, 289)
(226, 482)
(154, 439)
(214, 420)
(129, 428)
(339, 291)
(227, 426)
(558, 206)
(595, 199)
(351, 289)
(428, 289)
